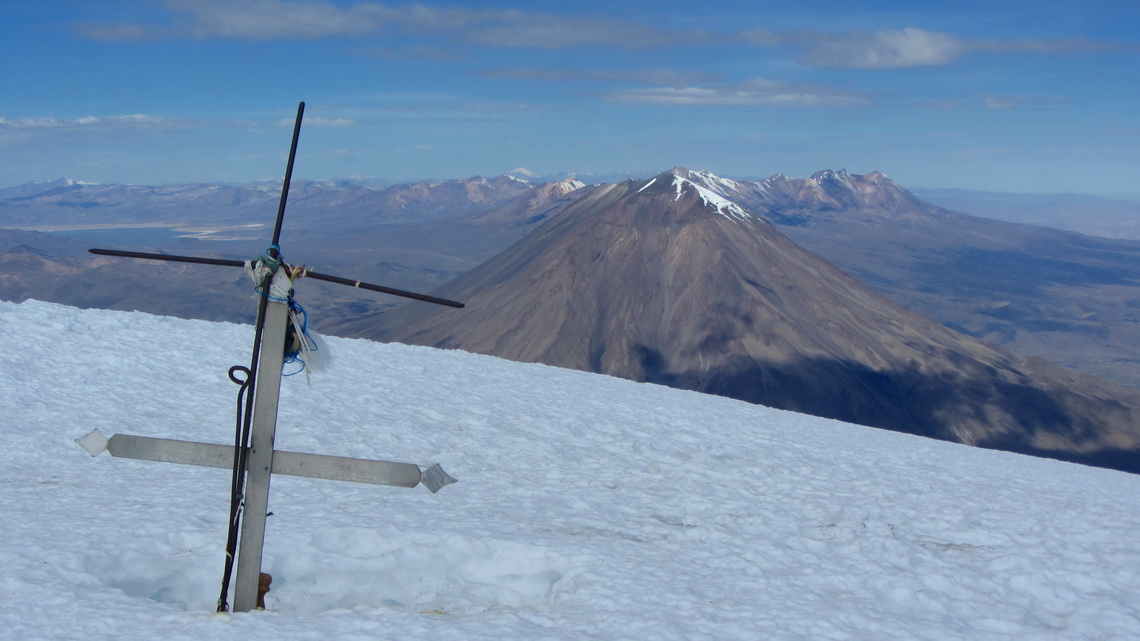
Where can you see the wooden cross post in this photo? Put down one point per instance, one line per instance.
(254, 461)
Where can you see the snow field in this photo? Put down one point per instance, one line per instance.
(587, 507)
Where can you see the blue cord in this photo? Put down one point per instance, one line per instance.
(295, 357)
(294, 306)
(272, 298)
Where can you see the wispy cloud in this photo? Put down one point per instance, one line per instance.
(550, 31)
(122, 32)
(415, 52)
(756, 92)
(46, 123)
(282, 19)
(1051, 47)
(320, 121)
(993, 102)
(909, 47)
(125, 124)
(274, 19)
(511, 28)
(691, 89)
(647, 76)
(1016, 102)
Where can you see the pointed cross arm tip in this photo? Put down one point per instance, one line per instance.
(94, 442)
(301, 272)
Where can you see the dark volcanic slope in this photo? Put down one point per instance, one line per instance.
(663, 281)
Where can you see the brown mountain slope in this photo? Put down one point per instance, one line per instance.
(1038, 291)
(663, 281)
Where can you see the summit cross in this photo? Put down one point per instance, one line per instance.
(252, 458)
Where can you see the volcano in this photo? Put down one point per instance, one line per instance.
(667, 281)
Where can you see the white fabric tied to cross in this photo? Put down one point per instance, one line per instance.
(263, 269)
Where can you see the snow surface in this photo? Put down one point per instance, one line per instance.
(588, 507)
(721, 185)
(650, 183)
(724, 206)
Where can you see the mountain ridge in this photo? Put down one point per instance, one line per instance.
(1038, 291)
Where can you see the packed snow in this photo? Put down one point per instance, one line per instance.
(587, 507)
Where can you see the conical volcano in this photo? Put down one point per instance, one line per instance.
(665, 281)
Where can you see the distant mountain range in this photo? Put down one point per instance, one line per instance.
(227, 211)
(829, 340)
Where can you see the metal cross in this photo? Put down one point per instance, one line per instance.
(252, 458)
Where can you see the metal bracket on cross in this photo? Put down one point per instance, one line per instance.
(252, 457)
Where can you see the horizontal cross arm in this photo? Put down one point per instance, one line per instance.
(308, 274)
(168, 257)
(381, 289)
(334, 468)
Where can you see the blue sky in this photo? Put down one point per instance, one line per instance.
(1002, 95)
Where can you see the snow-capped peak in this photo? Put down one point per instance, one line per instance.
(827, 175)
(564, 187)
(722, 205)
(708, 180)
(522, 174)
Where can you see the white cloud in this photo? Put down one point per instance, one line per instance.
(996, 102)
(549, 31)
(502, 28)
(304, 19)
(756, 92)
(321, 121)
(87, 122)
(992, 102)
(272, 19)
(275, 19)
(48, 128)
(121, 32)
(886, 49)
(907, 47)
(646, 76)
